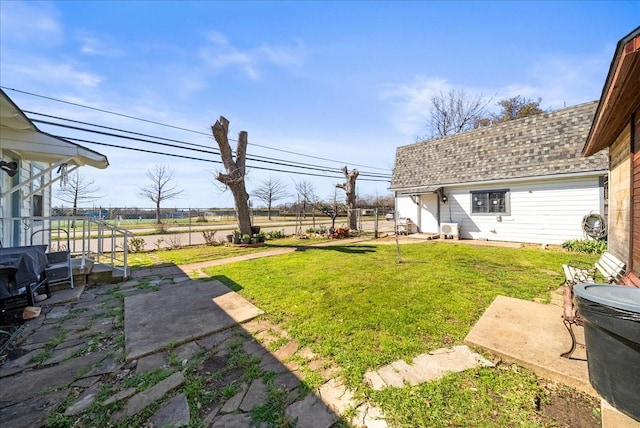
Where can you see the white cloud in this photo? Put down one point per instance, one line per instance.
(95, 46)
(220, 54)
(53, 73)
(30, 22)
(412, 101)
(561, 81)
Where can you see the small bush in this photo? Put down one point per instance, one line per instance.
(275, 234)
(136, 245)
(209, 236)
(589, 246)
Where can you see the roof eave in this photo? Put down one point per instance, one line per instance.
(622, 81)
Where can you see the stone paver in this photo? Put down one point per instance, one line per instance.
(234, 402)
(311, 412)
(174, 414)
(425, 367)
(140, 401)
(83, 401)
(255, 396)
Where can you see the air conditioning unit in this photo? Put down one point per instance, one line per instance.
(450, 230)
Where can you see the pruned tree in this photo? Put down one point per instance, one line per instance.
(349, 187)
(456, 111)
(516, 108)
(160, 189)
(270, 191)
(78, 190)
(235, 171)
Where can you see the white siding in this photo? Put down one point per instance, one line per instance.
(548, 211)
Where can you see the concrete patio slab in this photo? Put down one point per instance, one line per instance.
(180, 314)
(532, 335)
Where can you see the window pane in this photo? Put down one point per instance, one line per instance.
(489, 202)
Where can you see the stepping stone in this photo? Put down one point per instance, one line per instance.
(373, 379)
(151, 362)
(287, 351)
(391, 376)
(121, 395)
(239, 420)
(32, 412)
(234, 402)
(140, 401)
(336, 396)
(255, 396)
(369, 417)
(287, 381)
(187, 351)
(174, 414)
(311, 412)
(84, 401)
(29, 384)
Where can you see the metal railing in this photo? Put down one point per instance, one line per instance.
(89, 238)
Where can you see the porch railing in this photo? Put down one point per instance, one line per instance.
(89, 238)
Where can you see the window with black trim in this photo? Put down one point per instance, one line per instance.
(490, 202)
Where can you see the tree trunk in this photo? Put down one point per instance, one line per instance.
(349, 188)
(235, 171)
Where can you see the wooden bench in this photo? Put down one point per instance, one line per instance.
(607, 270)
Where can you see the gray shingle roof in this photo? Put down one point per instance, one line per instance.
(545, 144)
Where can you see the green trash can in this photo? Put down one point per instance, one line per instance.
(611, 316)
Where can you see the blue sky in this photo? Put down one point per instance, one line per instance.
(322, 83)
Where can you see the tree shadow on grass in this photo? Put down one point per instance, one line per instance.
(234, 286)
(351, 249)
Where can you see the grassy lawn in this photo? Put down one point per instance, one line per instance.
(203, 253)
(356, 305)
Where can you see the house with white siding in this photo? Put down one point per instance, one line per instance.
(520, 181)
(30, 162)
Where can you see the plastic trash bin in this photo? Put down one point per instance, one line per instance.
(611, 316)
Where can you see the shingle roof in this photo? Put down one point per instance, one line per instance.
(545, 144)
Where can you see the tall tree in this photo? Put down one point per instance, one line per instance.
(270, 191)
(78, 190)
(456, 111)
(160, 189)
(349, 187)
(517, 108)
(235, 171)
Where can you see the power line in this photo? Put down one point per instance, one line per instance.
(202, 159)
(176, 127)
(206, 149)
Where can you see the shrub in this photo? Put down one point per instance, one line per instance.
(586, 246)
(136, 245)
(209, 236)
(275, 234)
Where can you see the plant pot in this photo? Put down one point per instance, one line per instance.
(229, 238)
(236, 240)
(255, 230)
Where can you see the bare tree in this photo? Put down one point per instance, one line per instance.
(349, 187)
(160, 189)
(270, 191)
(456, 111)
(306, 195)
(235, 171)
(78, 190)
(332, 209)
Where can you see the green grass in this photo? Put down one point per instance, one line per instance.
(356, 305)
(506, 396)
(203, 253)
